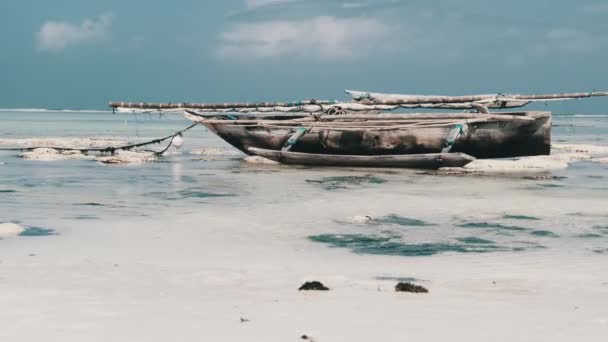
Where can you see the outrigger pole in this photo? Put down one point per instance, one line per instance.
(363, 101)
(397, 99)
(238, 105)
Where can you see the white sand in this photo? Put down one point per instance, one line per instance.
(127, 157)
(579, 148)
(259, 160)
(359, 219)
(155, 281)
(195, 272)
(216, 152)
(192, 273)
(49, 154)
(561, 157)
(62, 142)
(119, 157)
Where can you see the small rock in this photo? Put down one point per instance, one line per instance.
(259, 160)
(313, 286)
(409, 287)
(361, 219)
(244, 320)
(8, 229)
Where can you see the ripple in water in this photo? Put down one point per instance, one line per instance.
(199, 194)
(520, 217)
(188, 194)
(402, 221)
(474, 240)
(345, 182)
(602, 229)
(588, 236)
(491, 225)
(544, 233)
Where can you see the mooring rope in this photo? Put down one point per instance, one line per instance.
(111, 149)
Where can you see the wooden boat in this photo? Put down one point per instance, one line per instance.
(360, 130)
(481, 135)
(416, 161)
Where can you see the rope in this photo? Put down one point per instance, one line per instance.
(458, 131)
(300, 131)
(111, 149)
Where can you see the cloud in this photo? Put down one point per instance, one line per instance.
(300, 9)
(321, 37)
(597, 8)
(56, 36)
(261, 3)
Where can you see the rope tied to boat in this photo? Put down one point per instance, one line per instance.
(460, 130)
(315, 102)
(300, 132)
(113, 149)
(336, 110)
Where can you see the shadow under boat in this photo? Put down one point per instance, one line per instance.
(480, 135)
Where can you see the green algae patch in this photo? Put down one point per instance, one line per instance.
(403, 221)
(474, 240)
(490, 225)
(520, 217)
(398, 279)
(588, 236)
(346, 182)
(201, 194)
(544, 233)
(37, 231)
(381, 245)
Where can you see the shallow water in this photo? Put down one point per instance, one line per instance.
(205, 239)
(422, 213)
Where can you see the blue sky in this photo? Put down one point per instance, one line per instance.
(83, 53)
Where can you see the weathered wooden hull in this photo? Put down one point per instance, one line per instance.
(413, 161)
(485, 138)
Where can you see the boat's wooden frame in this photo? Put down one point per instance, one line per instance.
(494, 135)
(413, 161)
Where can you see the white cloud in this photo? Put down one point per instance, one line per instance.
(58, 35)
(565, 39)
(598, 8)
(315, 38)
(260, 3)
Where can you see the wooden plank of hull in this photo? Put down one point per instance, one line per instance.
(484, 139)
(417, 161)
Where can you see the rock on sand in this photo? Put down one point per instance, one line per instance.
(10, 229)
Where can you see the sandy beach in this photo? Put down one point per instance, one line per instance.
(202, 245)
(195, 278)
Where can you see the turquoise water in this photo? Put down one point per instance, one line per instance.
(410, 213)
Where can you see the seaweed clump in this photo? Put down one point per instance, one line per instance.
(409, 287)
(313, 286)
